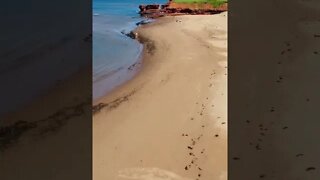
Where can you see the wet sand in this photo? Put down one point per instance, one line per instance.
(57, 122)
(170, 121)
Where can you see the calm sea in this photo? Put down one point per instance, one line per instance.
(114, 52)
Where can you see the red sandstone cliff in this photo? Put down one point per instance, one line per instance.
(171, 8)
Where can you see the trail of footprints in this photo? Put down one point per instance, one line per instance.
(194, 141)
(262, 128)
(194, 156)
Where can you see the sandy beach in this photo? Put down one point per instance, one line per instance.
(274, 91)
(170, 121)
(46, 131)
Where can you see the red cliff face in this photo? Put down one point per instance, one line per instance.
(171, 8)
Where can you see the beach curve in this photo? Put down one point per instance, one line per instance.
(172, 115)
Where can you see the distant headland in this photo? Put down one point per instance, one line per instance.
(180, 7)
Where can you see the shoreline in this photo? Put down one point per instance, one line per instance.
(124, 73)
(99, 103)
(176, 105)
(129, 71)
(135, 68)
(51, 122)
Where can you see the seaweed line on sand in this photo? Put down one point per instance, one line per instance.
(148, 43)
(10, 134)
(113, 104)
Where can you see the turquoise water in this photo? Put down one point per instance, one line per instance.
(113, 52)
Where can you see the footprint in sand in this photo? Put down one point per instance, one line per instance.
(262, 176)
(272, 109)
(202, 151)
(299, 155)
(310, 169)
(236, 158)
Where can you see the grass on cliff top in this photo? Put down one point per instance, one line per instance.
(215, 3)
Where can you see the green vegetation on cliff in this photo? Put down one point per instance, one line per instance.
(215, 3)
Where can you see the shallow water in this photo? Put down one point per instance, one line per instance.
(113, 52)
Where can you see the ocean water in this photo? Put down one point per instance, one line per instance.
(40, 48)
(113, 52)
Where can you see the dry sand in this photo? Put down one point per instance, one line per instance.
(170, 121)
